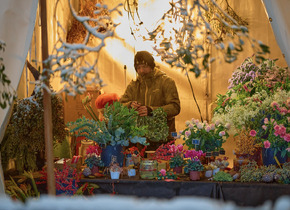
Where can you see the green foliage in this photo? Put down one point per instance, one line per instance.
(23, 191)
(119, 126)
(193, 165)
(253, 173)
(176, 161)
(24, 136)
(156, 124)
(222, 176)
(62, 149)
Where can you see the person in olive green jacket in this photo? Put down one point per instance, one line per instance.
(151, 90)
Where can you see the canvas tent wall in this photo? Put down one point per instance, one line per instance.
(16, 26)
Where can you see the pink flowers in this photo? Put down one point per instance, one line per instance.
(267, 144)
(253, 133)
(163, 172)
(222, 133)
(175, 150)
(193, 154)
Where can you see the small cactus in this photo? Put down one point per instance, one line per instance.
(87, 172)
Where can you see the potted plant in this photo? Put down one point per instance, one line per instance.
(274, 133)
(177, 162)
(193, 165)
(205, 136)
(163, 154)
(115, 170)
(118, 128)
(93, 158)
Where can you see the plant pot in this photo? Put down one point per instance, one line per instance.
(208, 173)
(115, 174)
(268, 157)
(148, 169)
(178, 169)
(109, 151)
(194, 175)
(214, 171)
(131, 172)
(94, 170)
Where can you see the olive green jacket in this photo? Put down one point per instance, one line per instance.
(154, 90)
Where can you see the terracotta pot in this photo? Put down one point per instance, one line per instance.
(178, 169)
(194, 175)
(95, 169)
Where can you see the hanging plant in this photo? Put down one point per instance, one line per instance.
(24, 137)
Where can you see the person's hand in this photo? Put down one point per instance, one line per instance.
(135, 105)
(142, 111)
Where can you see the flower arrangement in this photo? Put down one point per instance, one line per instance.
(205, 136)
(118, 127)
(221, 162)
(178, 153)
(93, 156)
(274, 132)
(252, 90)
(163, 152)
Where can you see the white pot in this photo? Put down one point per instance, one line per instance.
(215, 171)
(115, 175)
(132, 172)
(208, 173)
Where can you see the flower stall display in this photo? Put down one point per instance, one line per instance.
(205, 136)
(258, 94)
(193, 165)
(93, 158)
(177, 161)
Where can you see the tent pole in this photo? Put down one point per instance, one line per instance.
(47, 105)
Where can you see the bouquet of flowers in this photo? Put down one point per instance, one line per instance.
(205, 136)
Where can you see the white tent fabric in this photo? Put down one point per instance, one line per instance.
(17, 20)
(279, 16)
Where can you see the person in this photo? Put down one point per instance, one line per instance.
(152, 89)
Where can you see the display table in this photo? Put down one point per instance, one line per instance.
(243, 194)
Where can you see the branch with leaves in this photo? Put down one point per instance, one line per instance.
(68, 59)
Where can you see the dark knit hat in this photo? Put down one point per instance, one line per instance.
(144, 57)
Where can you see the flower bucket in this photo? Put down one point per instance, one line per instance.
(110, 151)
(178, 169)
(194, 175)
(115, 175)
(268, 157)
